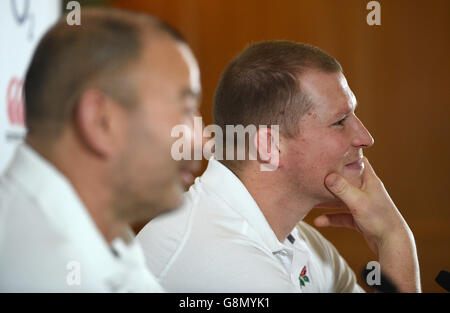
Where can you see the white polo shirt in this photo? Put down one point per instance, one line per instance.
(220, 241)
(49, 242)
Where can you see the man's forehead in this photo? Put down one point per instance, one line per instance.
(194, 71)
(348, 102)
(168, 58)
(344, 108)
(162, 54)
(329, 92)
(351, 99)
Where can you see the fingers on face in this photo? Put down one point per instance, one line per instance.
(369, 176)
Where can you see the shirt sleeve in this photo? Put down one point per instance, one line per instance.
(343, 279)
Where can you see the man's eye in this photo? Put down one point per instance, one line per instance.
(340, 123)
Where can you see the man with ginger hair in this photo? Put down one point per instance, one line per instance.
(241, 228)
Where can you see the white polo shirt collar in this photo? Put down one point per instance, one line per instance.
(227, 186)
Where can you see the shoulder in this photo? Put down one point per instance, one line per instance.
(205, 247)
(225, 264)
(37, 254)
(340, 277)
(165, 234)
(314, 238)
(201, 218)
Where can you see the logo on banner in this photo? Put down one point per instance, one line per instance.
(20, 16)
(21, 13)
(14, 102)
(15, 110)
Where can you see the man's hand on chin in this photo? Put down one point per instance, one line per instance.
(373, 213)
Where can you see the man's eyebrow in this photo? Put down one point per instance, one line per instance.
(345, 111)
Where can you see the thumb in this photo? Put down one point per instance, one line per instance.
(342, 189)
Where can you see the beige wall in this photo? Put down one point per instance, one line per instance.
(399, 72)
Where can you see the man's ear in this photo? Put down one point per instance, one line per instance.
(98, 119)
(267, 142)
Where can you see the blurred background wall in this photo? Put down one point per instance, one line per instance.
(399, 72)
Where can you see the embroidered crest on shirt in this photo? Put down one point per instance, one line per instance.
(302, 278)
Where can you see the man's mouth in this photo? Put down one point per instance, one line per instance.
(357, 165)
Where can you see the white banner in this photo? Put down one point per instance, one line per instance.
(22, 24)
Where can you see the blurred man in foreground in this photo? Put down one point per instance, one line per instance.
(101, 100)
(241, 228)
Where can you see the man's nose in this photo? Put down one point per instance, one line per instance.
(363, 139)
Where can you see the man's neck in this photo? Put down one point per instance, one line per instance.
(84, 177)
(282, 209)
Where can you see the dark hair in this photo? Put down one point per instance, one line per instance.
(69, 58)
(261, 86)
